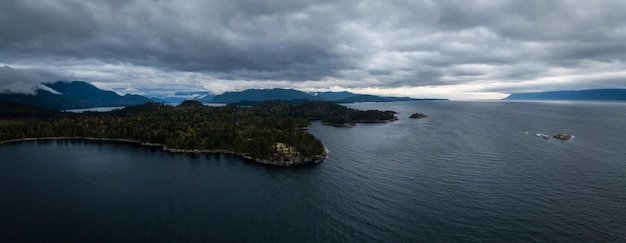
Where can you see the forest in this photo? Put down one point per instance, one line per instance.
(270, 132)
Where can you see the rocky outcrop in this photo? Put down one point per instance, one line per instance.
(418, 116)
(286, 155)
(562, 136)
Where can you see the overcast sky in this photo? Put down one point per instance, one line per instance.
(446, 49)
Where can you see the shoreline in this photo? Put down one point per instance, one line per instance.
(316, 159)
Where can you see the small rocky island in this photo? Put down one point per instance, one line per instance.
(418, 116)
(269, 132)
(562, 136)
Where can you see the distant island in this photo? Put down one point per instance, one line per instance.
(418, 116)
(590, 94)
(270, 132)
(252, 96)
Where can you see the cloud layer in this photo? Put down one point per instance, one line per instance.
(418, 48)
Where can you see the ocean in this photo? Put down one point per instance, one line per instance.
(473, 171)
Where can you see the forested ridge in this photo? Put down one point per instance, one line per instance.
(270, 132)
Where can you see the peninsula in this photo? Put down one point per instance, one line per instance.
(270, 132)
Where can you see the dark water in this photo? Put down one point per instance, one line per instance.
(466, 173)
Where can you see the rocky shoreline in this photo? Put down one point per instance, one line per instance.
(355, 122)
(276, 160)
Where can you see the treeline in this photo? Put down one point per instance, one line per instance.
(251, 131)
(329, 112)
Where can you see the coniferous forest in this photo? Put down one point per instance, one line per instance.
(270, 132)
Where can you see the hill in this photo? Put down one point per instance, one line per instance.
(73, 95)
(590, 94)
(262, 95)
(333, 96)
(374, 98)
(253, 96)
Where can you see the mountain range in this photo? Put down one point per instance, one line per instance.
(72, 95)
(256, 95)
(589, 94)
(180, 96)
(63, 95)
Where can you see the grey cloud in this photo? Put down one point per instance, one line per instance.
(364, 42)
(19, 81)
(227, 37)
(574, 50)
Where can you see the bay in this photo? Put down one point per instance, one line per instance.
(471, 171)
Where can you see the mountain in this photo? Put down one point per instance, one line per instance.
(374, 98)
(252, 96)
(180, 96)
(73, 95)
(332, 96)
(589, 94)
(262, 95)
(363, 98)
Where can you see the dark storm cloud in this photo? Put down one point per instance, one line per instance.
(214, 37)
(489, 45)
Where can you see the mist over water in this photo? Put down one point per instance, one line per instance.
(471, 171)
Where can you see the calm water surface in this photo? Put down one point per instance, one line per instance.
(469, 172)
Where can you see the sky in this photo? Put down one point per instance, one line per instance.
(451, 49)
